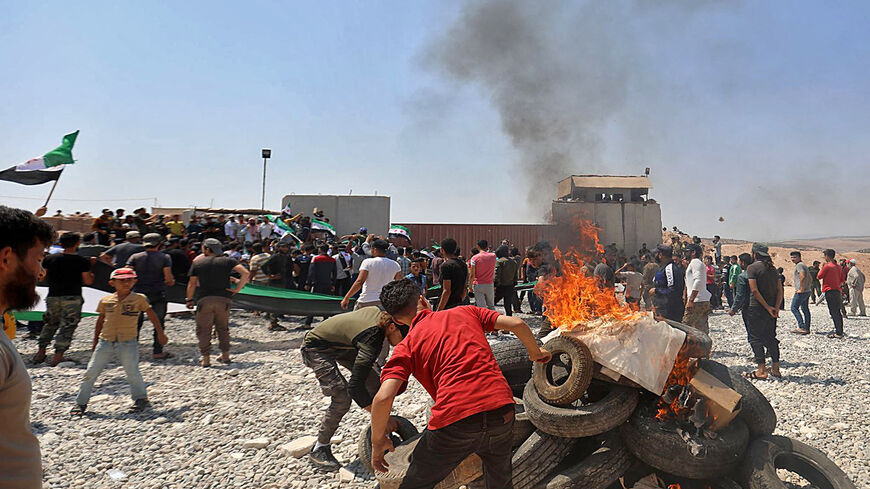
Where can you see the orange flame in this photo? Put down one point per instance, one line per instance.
(576, 297)
(681, 374)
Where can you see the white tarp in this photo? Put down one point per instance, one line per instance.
(92, 298)
(643, 350)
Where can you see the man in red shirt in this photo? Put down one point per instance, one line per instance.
(448, 353)
(831, 276)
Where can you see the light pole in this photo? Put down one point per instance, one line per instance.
(267, 153)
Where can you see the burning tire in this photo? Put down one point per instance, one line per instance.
(658, 444)
(757, 412)
(698, 344)
(572, 357)
(513, 360)
(523, 427)
(603, 467)
(537, 457)
(768, 453)
(607, 406)
(406, 431)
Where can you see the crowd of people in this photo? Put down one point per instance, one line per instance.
(431, 330)
(684, 288)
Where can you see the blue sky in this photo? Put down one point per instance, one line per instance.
(175, 99)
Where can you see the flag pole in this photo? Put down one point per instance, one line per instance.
(53, 186)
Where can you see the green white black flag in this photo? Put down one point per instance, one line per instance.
(45, 168)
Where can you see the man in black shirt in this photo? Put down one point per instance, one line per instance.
(180, 262)
(65, 273)
(454, 277)
(210, 280)
(154, 274)
(763, 311)
(89, 247)
(119, 254)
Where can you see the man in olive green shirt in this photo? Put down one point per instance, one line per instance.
(353, 340)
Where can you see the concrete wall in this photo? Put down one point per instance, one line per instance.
(347, 213)
(628, 224)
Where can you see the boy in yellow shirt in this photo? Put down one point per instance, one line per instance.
(116, 333)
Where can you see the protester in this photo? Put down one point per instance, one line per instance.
(210, 290)
(506, 279)
(831, 276)
(153, 274)
(119, 254)
(321, 272)
(447, 351)
(258, 259)
(733, 273)
(231, 228)
(115, 335)
(417, 276)
(535, 269)
(765, 295)
(697, 306)
(780, 272)
(667, 291)
(482, 273)
(89, 247)
(23, 237)
(800, 302)
(176, 227)
(65, 273)
(179, 259)
(454, 276)
(353, 340)
(403, 261)
(855, 281)
(301, 264)
(816, 290)
(717, 247)
(650, 267)
(374, 273)
(604, 273)
(102, 227)
(712, 287)
(343, 269)
(741, 292)
(633, 283)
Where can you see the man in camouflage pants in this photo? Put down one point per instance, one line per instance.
(353, 340)
(65, 273)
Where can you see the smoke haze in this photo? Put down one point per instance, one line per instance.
(612, 87)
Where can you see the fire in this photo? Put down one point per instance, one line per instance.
(680, 375)
(575, 297)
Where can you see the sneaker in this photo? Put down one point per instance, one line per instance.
(140, 405)
(323, 459)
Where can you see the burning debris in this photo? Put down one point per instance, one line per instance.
(654, 399)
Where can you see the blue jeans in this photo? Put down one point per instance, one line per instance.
(128, 354)
(800, 303)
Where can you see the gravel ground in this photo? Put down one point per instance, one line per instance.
(193, 436)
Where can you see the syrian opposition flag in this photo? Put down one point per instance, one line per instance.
(44, 169)
(400, 231)
(318, 225)
(281, 227)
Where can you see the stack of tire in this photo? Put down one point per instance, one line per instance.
(576, 428)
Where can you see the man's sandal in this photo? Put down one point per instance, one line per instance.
(753, 375)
